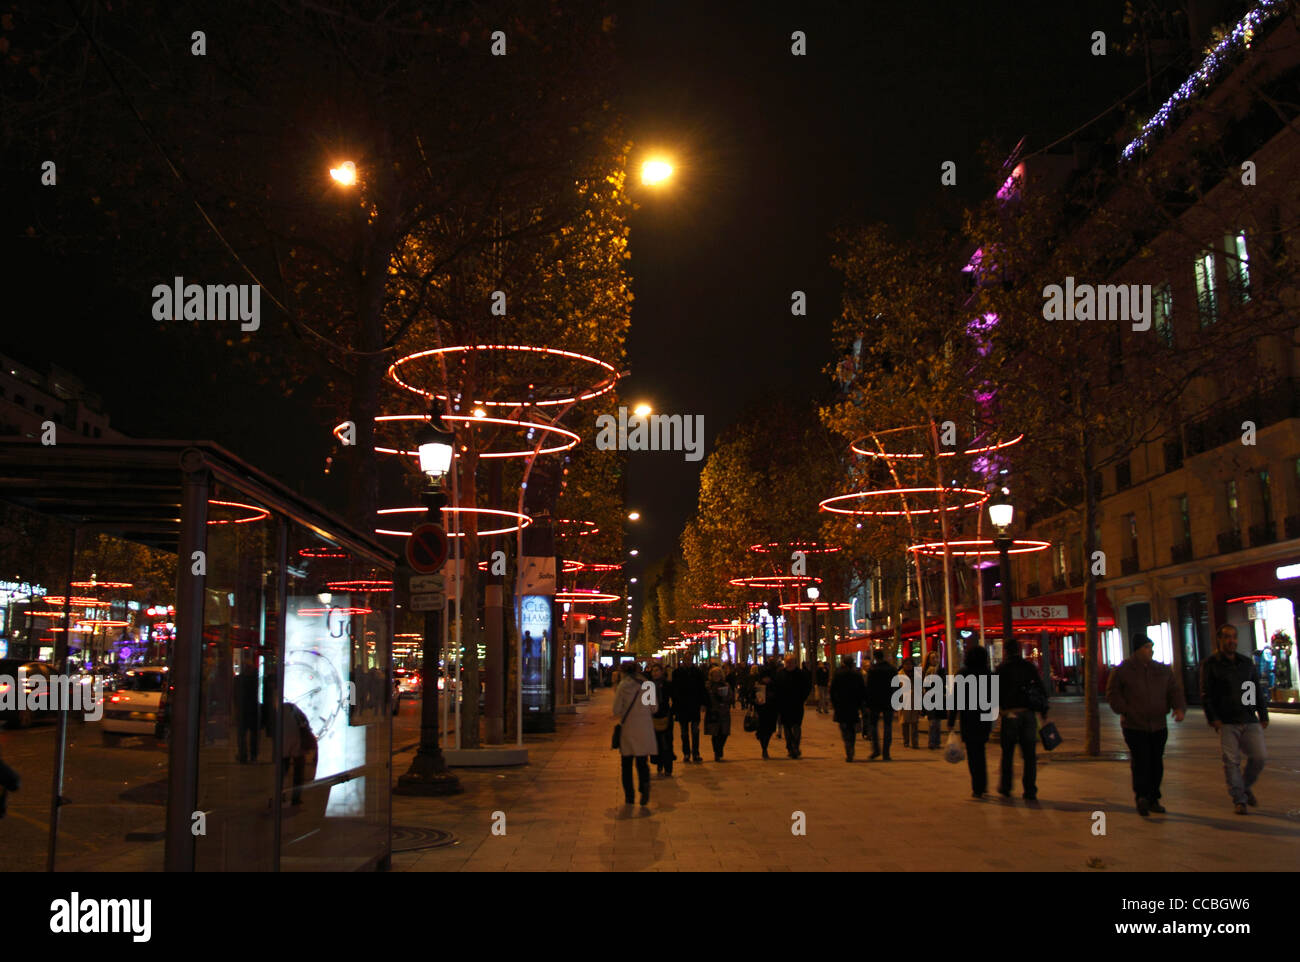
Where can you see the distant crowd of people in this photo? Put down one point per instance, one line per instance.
(862, 702)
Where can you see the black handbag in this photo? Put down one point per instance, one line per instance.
(751, 720)
(1049, 736)
(618, 729)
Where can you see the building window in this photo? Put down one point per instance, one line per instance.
(1131, 531)
(1058, 560)
(96, 432)
(1266, 496)
(1207, 295)
(1185, 518)
(1173, 454)
(1234, 514)
(38, 408)
(1164, 309)
(1238, 266)
(85, 428)
(1123, 475)
(20, 400)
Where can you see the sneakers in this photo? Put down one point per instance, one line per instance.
(1250, 799)
(1239, 808)
(1157, 808)
(1143, 807)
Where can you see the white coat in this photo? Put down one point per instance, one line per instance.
(638, 735)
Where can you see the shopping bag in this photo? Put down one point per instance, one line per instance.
(954, 751)
(751, 720)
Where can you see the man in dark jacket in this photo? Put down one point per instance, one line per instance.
(823, 680)
(1237, 708)
(848, 693)
(1142, 691)
(689, 697)
(793, 685)
(880, 708)
(1021, 696)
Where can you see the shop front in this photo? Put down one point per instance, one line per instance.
(238, 640)
(1260, 601)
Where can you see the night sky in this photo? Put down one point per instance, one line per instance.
(773, 152)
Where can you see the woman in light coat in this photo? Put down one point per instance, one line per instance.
(637, 738)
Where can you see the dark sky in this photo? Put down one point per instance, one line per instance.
(777, 150)
(773, 152)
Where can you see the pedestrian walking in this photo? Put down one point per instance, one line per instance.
(718, 724)
(793, 686)
(910, 715)
(9, 782)
(975, 729)
(1142, 691)
(934, 715)
(880, 693)
(848, 693)
(1023, 698)
(1235, 707)
(689, 699)
(662, 717)
(765, 702)
(823, 688)
(636, 741)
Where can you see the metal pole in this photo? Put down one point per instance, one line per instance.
(1004, 563)
(61, 734)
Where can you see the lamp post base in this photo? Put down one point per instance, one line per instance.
(428, 775)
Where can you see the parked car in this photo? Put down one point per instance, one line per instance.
(15, 671)
(135, 707)
(408, 680)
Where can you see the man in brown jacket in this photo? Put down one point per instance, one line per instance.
(1142, 692)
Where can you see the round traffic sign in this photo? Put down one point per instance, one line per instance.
(426, 548)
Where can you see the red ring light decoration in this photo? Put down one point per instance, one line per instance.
(817, 606)
(573, 442)
(886, 492)
(981, 548)
(523, 519)
(103, 584)
(732, 625)
(322, 553)
(313, 612)
(98, 623)
(590, 566)
(775, 581)
(807, 547)
(579, 595)
(1251, 599)
(715, 606)
(76, 602)
(258, 514)
(969, 452)
(596, 390)
(361, 585)
(576, 534)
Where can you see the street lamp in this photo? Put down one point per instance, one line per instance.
(634, 516)
(1001, 515)
(642, 409)
(429, 774)
(345, 174)
(656, 171)
(813, 594)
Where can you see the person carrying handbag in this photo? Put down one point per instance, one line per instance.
(634, 736)
(1022, 698)
(663, 722)
(974, 728)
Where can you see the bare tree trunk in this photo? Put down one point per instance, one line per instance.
(471, 633)
(1092, 646)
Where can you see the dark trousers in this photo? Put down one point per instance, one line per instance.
(1147, 759)
(665, 757)
(849, 732)
(1020, 729)
(935, 732)
(978, 766)
(793, 732)
(642, 776)
(691, 739)
(299, 764)
(719, 742)
(874, 717)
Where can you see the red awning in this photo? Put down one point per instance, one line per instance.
(1060, 613)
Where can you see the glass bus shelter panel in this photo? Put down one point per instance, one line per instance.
(117, 674)
(337, 711)
(237, 764)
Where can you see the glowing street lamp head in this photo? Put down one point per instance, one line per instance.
(634, 552)
(634, 516)
(642, 409)
(656, 171)
(345, 173)
(1001, 515)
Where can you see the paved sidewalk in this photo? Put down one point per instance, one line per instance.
(565, 810)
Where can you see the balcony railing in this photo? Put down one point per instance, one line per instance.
(1128, 566)
(1292, 525)
(1181, 553)
(1265, 532)
(1229, 541)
